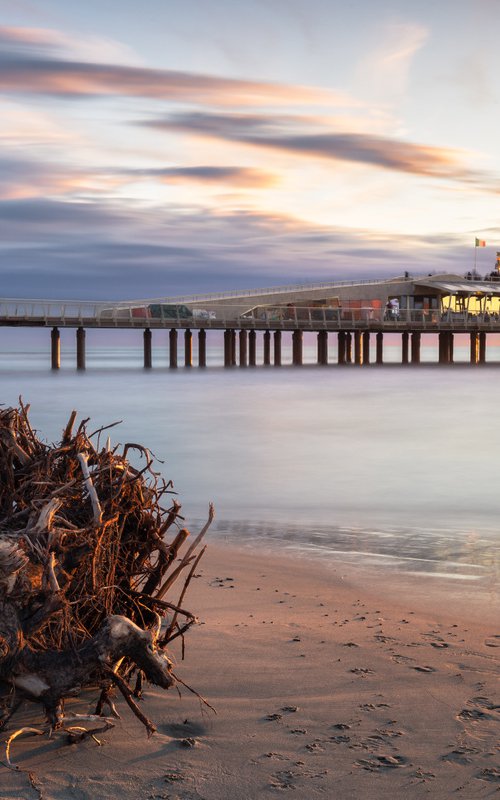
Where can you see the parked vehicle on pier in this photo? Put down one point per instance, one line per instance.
(202, 313)
(167, 311)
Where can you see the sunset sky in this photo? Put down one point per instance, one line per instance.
(175, 146)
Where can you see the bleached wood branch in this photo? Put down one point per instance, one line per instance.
(96, 506)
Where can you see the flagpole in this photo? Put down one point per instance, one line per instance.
(475, 255)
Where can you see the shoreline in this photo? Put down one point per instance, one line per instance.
(328, 681)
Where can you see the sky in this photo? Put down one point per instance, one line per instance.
(184, 146)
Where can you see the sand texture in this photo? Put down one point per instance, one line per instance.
(328, 683)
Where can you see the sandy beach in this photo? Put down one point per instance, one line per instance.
(329, 681)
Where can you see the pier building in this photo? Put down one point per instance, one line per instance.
(351, 311)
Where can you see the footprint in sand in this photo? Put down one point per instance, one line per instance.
(382, 762)
(424, 669)
(399, 659)
(489, 774)
(314, 747)
(373, 706)
(282, 780)
(276, 756)
(460, 755)
(493, 641)
(474, 714)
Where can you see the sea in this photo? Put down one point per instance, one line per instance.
(395, 467)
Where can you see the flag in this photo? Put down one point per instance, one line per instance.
(480, 243)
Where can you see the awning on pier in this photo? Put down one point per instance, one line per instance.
(461, 287)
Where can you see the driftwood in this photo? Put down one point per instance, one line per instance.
(88, 555)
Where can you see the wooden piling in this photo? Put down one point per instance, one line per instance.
(380, 347)
(341, 343)
(252, 350)
(474, 347)
(243, 337)
(188, 348)
(148, 360)
(80, 348)
(358, 356)
(415, 347)
(227, 348)
(172, 346)
(366, 347)
(202, 347)
(55, 348)
(450, 347)
(323, 348)
(267, 348)
(277, 348)
(405, 339)
(232, 339)
(348, 347)
(297, 348)
(482, 347)
(441, 348)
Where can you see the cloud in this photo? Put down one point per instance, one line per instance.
(46, 251)
(378, 151)
(384, 72)
(239, 177)
(30, 178)
(29, 63)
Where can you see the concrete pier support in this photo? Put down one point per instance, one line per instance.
(55, 348)
(348, 347)
(188, 348)
(252, 350)
(243, 342)
(341, 347)
(405, 339)
(172, 347)
(323, 348)
(267, 348)
(380, 347)
(277, 348)
(148, 360)
(202, 347)
(358, 356)
(415, 347)
(366, 347)
(80, 348)
(474, 347)
(482, 347)
(297, 348)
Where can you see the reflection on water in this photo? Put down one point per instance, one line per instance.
(395, 464)
(454, 553)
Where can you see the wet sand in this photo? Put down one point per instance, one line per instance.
(328, 681)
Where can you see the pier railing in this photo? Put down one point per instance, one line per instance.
(104, 315)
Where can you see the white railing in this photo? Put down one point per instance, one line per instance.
(195, 298)
(72, 314)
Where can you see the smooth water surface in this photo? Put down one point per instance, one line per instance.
(396, 465)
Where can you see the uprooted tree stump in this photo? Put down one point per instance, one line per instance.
(88, 556)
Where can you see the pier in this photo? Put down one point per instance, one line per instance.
(348, 319)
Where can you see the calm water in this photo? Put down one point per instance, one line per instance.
(395, 466)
